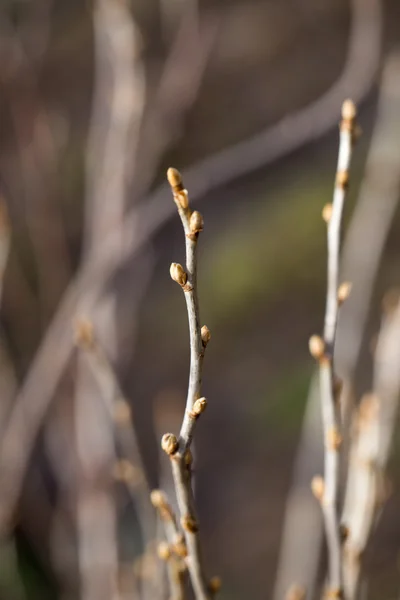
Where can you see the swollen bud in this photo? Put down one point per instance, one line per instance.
(174, 179)
(158, 498)
(178, 274)
(344, 291)
(189, 523)
(318, 487)
(164, 551)
(199, 406)
(169, 443)
(327, 212)
(349, 110)
(316, 346)
(205, 335)
(196, 222)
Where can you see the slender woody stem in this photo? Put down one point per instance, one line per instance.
(180, 451)
(330, 411)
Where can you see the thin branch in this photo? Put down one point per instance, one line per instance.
(179, 451)
(131, 469)
(323, 351)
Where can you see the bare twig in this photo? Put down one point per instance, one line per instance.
(374, 426)
(323, 351)
(131, 469)
(179, 450)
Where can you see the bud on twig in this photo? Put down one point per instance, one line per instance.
(316, 346)
(164, 551)
(189, 523)
(333, 438)
(178, 274)
(327, 212)
(158, 498)
(179, 547)
(205, 335)
(174, 179)
(169, 443)
(344, 532)
(199, 406)
(344, 291)
(196, 222)
(349, 110)
(318, 487)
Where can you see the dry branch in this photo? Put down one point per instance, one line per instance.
(323, 351)
(179, 450)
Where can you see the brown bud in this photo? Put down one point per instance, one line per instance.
(344, 532)
(349, 110)
(333, 438)
(318, 487)
(163, 551)
(205, 335)
(215, 584)
(158, 498)
(122, 412)
(337, 387)
(296, 592)
(199, 406)
(316, 346)
(174, 179)
(84, 333)
(327, 212)
(196, 222)
(189, 523)
(179, 547)
(178, 274)
(169, 443)
(188, 457)
(342, 179)
(344, 291)
(182, 198)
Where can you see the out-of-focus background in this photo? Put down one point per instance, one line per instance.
(97, 99)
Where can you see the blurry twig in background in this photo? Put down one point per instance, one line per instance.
(374, 424)
(118, 105)
(174, 550)
(176, 92)
(132, 472)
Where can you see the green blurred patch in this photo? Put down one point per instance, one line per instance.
(277, 243)
(282, 406)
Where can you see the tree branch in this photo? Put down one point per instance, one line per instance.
(179, 450)
(323, 351)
